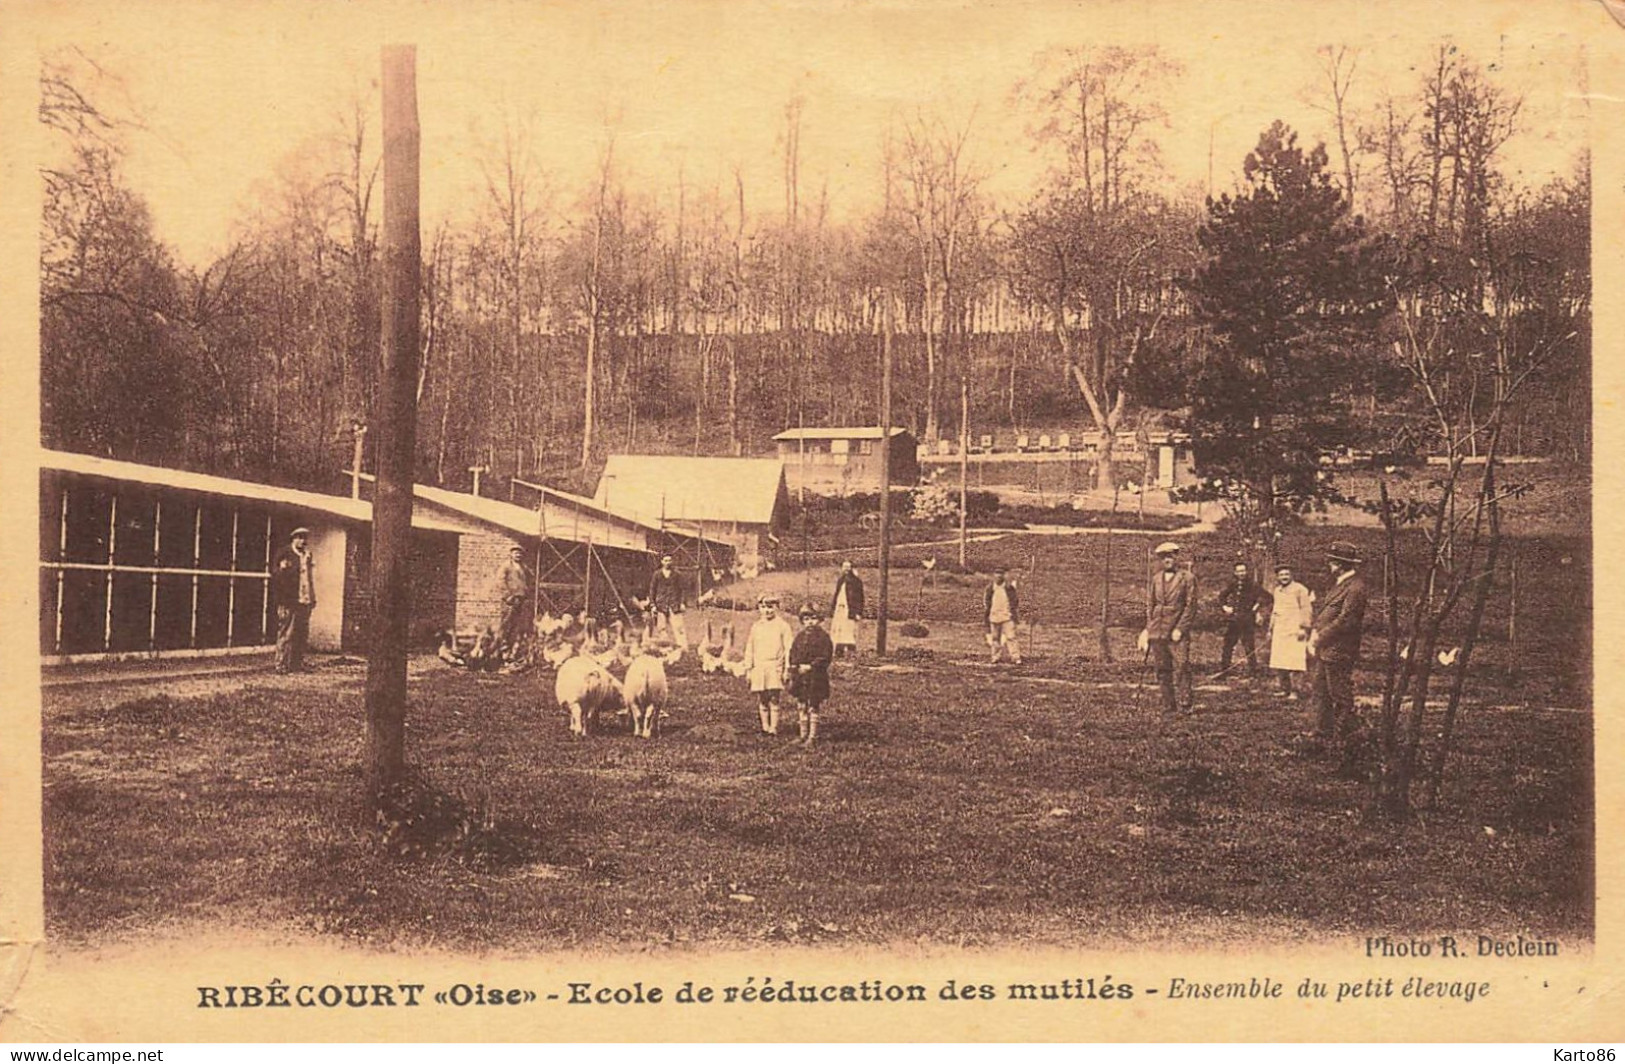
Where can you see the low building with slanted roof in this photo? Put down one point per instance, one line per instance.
(142, 561)
(737, 501)
(846, 461)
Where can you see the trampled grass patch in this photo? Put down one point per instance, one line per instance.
(950, 804)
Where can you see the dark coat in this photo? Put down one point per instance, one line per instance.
(1172, 605)
(854, 594)
(285, 578)
(1246, 597)
(1340, 621)
(811, 646)
(666, 592)
(1015, 603)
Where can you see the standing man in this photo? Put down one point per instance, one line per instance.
(293, 586)
(1170, 610)
(1290, 617)
(845, 611)
(666, 602)
(513, 586)
(1335, 641)
(1001, 611)
(1241, 600)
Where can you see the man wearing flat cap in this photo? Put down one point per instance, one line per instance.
(1170, 609)
(1334, 641)
(293, 589)
(513, 588)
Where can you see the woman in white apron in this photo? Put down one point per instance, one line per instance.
(1290, 617)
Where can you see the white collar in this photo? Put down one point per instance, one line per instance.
(1344, 575)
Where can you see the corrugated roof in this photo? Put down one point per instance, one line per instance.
(685, 488)
(209, 484)
(868, 432)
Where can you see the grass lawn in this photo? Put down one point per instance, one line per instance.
(950, 803)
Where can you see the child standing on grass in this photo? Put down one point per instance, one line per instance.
(810, 656)
(767, 660)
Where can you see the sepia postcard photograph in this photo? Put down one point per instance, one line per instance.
(890, 521)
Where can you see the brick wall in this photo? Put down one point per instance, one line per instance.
(435, 565)
(479, 560)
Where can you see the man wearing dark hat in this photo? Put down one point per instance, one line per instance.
(1334, 640)
(293, 588)
(666, 602)
(1169, 611)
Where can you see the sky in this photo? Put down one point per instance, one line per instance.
(228, 93)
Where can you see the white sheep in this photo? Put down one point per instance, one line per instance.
(645, 690)
(586, 688)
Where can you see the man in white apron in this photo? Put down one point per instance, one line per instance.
(1290, 617)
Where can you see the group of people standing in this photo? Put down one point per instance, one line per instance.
(1302, 632)
(780, 659)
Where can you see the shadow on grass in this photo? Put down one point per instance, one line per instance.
(416, 819)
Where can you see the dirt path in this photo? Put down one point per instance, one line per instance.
(992, 535)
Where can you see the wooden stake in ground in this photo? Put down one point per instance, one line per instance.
(395, 420)
(885, 479)
(964, 460)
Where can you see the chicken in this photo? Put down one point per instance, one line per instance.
(710, 651)
(556, 654)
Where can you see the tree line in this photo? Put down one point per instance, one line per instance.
(563, 323)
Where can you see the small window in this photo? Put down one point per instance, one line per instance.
(866, 446)
(840, 446)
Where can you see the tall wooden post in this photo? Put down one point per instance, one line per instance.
(395, 421)
(885, 479)
(355, 463)
(964, 460)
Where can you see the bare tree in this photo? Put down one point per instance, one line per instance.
(1337, 68)
(592, 292)
(941, 203)
(1094, 251)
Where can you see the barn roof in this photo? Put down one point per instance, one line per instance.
(866, 432)
(227, 487)
(689, 489)
(504, 515)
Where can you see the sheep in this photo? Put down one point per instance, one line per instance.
(586, 688)
(645, 690)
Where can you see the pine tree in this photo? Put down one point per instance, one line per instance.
(1291, 297)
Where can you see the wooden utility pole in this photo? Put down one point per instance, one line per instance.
(964, 460)
(355, 466)
(886, 476)
(396, 425)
